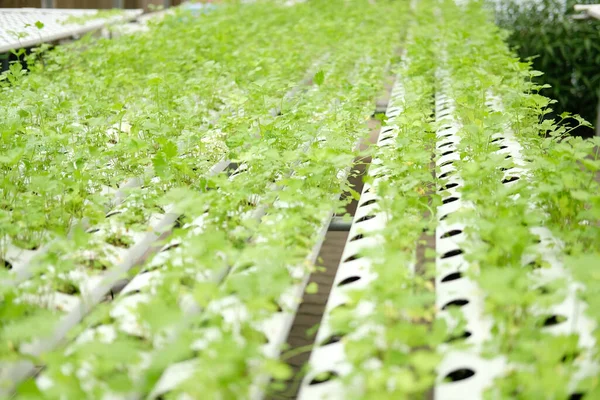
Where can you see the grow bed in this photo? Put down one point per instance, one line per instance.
(196, 179)
(28, 27)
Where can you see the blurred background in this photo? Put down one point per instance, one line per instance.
(563, 45)
(559, 41)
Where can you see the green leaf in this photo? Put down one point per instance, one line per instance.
(319, 77)
(312, 288)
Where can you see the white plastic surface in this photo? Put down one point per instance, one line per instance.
(452, 289)
(18, 25)
(331, 357)
(550, 250)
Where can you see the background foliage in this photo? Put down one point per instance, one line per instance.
(567, 50)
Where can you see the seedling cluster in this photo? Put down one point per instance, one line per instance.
(165, 193)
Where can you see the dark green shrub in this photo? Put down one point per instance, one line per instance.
(567, 50)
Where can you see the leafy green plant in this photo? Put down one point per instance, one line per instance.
(565, 49)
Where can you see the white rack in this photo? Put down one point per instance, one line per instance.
(462, 371)
(328, 358)
(591, 10)
(18, 25)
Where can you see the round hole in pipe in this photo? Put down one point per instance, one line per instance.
(357, 237)
(570, 356)
(171, 246)
(449, 186)
(446, 163)
(349, 280)
(323, 377)
(455, 303)
(449, 200)
(7, 264)
(353, 257)
(451, 233)
(496, 139)
(451, 253)
(461, 336)
(577, 396)
(67, 287)
(365, 218)
(459, 375)
(368, 202)
(113, 213)
(452, 277)
(331, 339)
(536, 264)
(510, 179)
(447, 153)
(445, 144)
(446, 174)
(553, 320)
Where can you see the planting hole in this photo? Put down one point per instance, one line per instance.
(277, 306)
(446, 174)
(323, 377)
(445, 144)
(369, 202)
(443, 217)
(67, 288)
(113, 213)
(365, 218)
(171, 246)
(461, 336)
(7, 264)
(510, 179)
(554, 320)
(503, 147)
(576, 396)
(451, 233)
(449, 186)
(349, 280)
(449, 200)
(452, 277)
(459, 375)
(447, 153)
(497, 139)
(340, 308)
(570, 356)
(446, 163)
(452, 253)
(353, 257)
(544, 290)
(357, 237)
(507, 157)
(456, 303)
(335, 338)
